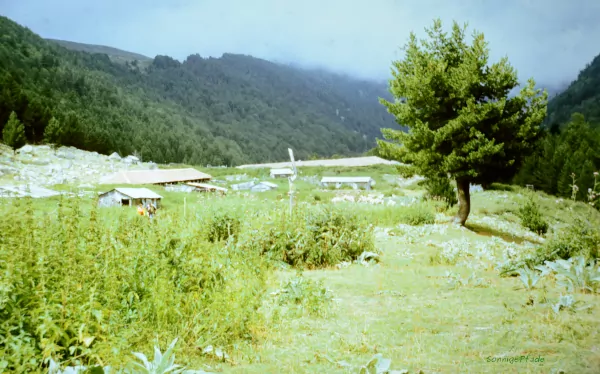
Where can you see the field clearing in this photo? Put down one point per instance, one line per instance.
(435, 302)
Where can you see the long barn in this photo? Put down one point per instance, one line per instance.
(158, 176)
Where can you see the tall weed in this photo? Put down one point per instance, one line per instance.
(316, 236)
(84, 291)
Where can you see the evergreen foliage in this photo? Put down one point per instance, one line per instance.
(575, 150)
(13, 133)
(461, 121)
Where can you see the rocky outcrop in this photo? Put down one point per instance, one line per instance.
(44, 166)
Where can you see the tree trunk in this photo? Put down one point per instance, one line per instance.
(464, 201)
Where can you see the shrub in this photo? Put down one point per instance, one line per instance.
(417, 214)
(406, 171)
(532, 218)
(84, 296)
(441, 189)
(306, 294)
(580, 238)
(221, 226)
(317, 236)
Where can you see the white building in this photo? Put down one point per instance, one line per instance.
(281, 173)
(263, 186)
(254, 186)
(128, 197)
(354, 182)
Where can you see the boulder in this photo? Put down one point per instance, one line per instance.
(63, 153)
(131, 160)
(40, 161)
(8, 170)
(25, 149)
(115, 156)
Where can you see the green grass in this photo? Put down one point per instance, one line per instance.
(406, 307)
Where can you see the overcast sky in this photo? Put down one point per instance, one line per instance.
(548, 39)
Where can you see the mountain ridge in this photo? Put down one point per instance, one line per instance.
(227, 110)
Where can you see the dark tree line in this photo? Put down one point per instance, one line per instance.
(562, 153)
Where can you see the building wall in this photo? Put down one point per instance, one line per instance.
(280, 175)
(354, 185)
(114, 198)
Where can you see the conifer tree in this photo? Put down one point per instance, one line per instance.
(13, 133)
(461, 121)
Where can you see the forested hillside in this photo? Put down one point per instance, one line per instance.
(569, 154)
(582, 96)
(229, 110)
(114, 54)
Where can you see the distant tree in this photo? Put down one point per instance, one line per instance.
(461, 121)
(53, 134)
(13, 133)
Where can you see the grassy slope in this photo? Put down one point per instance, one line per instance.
(406, 308)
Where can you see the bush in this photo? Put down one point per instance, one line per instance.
(439, 188)
(82, 290)
(306, 294)
(406, 171)
(532, 218)
(317, 236)
(221, 226)
(582, 238)
(417, 214)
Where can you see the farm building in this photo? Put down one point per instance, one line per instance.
(263, 186)
(281, 173)
(158, 176)
(254, 187)
(195, 187)
(203, 187)
(129, 197)
(354, 182)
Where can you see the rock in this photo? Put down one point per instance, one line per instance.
(65, 154)
(8, 170)
(131, 160)
(40, 161)
(115, 156)
(25, 149)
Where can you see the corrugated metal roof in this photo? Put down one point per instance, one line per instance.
(137, 193)
(282, 171)
(269, 184)
(207, 186)
(346, 179)
(155, 176)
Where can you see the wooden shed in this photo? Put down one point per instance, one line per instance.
(204, 187)
(129, 197)
(354, 182)
(281, 173)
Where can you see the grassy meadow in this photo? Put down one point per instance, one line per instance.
(245, 288)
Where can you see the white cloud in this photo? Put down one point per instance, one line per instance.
(549, 40)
